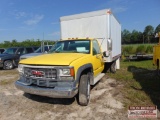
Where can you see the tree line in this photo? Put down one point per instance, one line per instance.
(147, 36)
(26, 43)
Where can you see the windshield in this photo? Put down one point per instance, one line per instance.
(71, 46)
(10, 51)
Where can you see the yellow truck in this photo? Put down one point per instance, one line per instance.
(90, 41)
(156, 55)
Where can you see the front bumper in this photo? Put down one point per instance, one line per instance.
(56, 92)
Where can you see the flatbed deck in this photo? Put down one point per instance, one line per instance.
(139, 57)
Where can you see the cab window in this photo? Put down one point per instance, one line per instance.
(96, 49)
(21, 51)
(29, 50)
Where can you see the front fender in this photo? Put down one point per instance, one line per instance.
(81, 70)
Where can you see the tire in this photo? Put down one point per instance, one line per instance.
(113, 67)
(84, 90)
(158, 70)
(7, 65)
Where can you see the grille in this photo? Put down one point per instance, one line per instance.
(45, 73)
(41, 82)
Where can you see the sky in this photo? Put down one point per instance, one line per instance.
(39, 19)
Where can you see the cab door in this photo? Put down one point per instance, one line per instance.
(97, 58)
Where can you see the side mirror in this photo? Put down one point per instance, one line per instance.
(106, 53)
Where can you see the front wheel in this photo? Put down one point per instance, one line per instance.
(84, 90)
(8, 64)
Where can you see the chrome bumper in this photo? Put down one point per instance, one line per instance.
(56, 92)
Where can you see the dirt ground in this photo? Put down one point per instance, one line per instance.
(105, 104)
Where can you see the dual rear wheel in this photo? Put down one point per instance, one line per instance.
(113, 67)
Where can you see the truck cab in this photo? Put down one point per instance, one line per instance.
(70, 68)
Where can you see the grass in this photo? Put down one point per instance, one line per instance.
(8, 76)
(141, 83)
(137, 48)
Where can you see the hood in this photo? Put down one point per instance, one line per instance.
(30, 55)
(53, 59)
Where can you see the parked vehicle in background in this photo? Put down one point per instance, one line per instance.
(89, 40)
(10, 57)
(35, 47)
(156, 55)
(41, 50)
(2, 50)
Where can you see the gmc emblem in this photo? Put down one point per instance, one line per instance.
(37, 73)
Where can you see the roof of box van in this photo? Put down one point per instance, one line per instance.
(86, 14)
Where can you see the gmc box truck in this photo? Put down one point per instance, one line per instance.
(77, 61)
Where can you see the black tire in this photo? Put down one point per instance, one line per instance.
(84, 90)
(7, 65)
(158, 70)
(113, 67)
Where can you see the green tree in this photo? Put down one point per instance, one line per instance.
(14, 43)
(6, 44)
(134, 36)
(140, 37)
(148, 32)
(126, 35)
(157, 29)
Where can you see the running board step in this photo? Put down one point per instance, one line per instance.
(97, 78)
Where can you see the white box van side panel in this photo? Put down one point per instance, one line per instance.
(115, 36)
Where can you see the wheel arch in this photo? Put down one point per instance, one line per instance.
(83, 70)
(8, 60)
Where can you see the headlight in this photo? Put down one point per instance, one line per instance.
(20, 68)
(67, 72)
